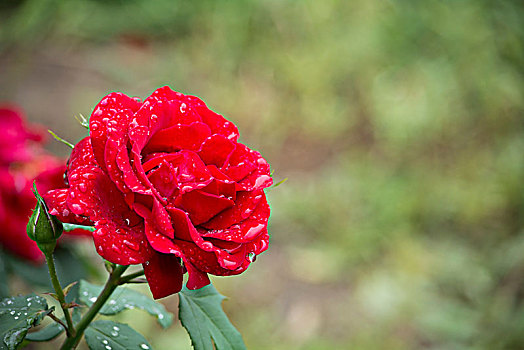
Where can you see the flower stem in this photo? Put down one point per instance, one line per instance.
(110, 286)
(127, 278)
(70, 329)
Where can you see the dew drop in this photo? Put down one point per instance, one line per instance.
(105, 342)
(82, 186)
(92, 299)
(77, 208)
(132, 245)
(183, 107)
(144, 346)
(252, 256)
(207, 245)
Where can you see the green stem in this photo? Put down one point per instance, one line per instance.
(70, 329)
(110, 286)
(125, 279)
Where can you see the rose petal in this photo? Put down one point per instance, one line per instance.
(115, 110)
(202, 206)
(178, 137)
(217, 123)
(192, 173)
(164, 179)
(81, 155)
(164, 274)
(162, 220)
(248, 169)
(245, 205)
(121, 244)
(196, 278)
(56, 202)
(216, 150)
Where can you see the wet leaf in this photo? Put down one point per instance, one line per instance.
(122, 299)
(107, 335)
(52, 330)
(17, 315)
(200, 312)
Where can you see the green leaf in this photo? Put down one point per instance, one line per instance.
(82, 120)
(58, 138)
(49, 332)
(200, 312)
(4, 288)
(103, 335)
(17, 315)
(52, 330)
(122, 299)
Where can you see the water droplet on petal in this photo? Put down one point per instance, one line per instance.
(207, 245)
(131, 245)
(77, 208)
(252, 256)
(183, 107)
(82, 186)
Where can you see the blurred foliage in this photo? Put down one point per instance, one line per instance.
(399, 124)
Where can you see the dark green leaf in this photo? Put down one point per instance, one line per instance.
(32, 274)
(104, 335)
(17, 315)
(200, 312)
(122, 299)
(4, 288)
(49, 332)
(52, 330)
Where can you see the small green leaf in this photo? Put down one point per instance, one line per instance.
(122, 299)
(82, 120)
(52, 330)
(279, 183)
(58, 138)
(201, 314)
(103, 335)
(69, 286)
(71, 227)
(17, 315)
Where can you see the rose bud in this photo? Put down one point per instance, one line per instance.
(44, 228)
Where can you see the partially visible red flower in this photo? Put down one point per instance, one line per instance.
(16, 137)
(22, 160)
(165, 180)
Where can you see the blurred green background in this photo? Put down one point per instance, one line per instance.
(398, 123)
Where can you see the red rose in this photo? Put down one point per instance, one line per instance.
(21, 159)
(165, 180)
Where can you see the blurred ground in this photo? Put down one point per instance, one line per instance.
(399, 125)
